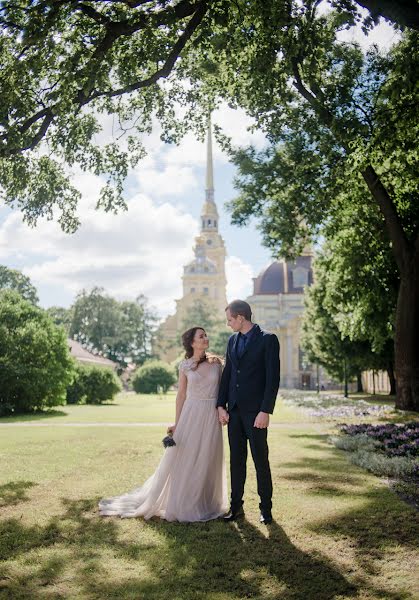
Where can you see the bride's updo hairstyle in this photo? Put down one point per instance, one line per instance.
(187, 339)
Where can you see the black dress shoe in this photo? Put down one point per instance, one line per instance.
(232, 515)
(265, 518)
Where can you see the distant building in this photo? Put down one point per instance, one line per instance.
(204, 277)
(278, 304)
(85, 357)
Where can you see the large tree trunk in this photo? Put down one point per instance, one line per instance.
(406, 339)
(406, 343)
(392, 379)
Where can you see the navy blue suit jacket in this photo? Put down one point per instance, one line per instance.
(251, 382)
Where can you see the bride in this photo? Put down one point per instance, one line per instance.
(189, 484)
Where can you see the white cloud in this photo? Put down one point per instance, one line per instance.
(239, 278)
(157, 178)
(141, 250)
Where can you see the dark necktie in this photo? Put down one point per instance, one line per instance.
(241, 346)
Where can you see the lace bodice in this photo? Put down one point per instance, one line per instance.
(204, 381)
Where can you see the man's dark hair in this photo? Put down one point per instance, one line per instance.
(240, 307)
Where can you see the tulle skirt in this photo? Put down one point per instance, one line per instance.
(189, 484)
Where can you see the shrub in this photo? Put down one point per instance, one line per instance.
(152, 376)
(93, 385)
(35, 362)
(396, 466)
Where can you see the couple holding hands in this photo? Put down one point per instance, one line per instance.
(189, 484)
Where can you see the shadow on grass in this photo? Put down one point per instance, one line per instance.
(188, 561)
(381, 523)
(14, 492)
(35, 416)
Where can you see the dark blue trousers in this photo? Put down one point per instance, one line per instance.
(240, 431)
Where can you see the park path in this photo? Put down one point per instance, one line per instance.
(122, 424)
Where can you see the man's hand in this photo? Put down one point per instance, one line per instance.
(171, 429)
(223, 415)
(261, 421)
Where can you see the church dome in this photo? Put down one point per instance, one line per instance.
(270, 280)
(282, 277)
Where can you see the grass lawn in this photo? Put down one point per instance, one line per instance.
(127, 408)
(338, 532)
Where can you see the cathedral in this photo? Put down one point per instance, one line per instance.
(277, 300)
(204, 277)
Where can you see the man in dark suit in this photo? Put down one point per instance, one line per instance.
(248, 390)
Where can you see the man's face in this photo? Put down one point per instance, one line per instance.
(236, 323)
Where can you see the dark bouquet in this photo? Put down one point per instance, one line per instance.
(168, 441)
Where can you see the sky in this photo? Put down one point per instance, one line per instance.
(143, 250)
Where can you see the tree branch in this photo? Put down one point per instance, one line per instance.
(114, 30)
(169, 63)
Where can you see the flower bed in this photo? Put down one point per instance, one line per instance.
(390, 450)
(392, 439)
(333, 406)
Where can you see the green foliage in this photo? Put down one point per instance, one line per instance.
(35, 364)
(65, 65)
(323, 333)
(11, 279)
(153, 376)
(121, 331)
(93, 385)
(218, 341)
(204, 314)
(61, 316)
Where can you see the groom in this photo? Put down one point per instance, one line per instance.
(248, 389)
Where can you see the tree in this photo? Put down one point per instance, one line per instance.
(93, 385)
(153, 376)
(35, 363)
(323, 100)
(61, 316)
(203, 313)
(121, 331)
(65, 63)
(96, 321)
(323, 343)
(139, 325)
(347, 326)
(11, 279)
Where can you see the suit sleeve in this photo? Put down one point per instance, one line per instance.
(225, 381)
(271, 375)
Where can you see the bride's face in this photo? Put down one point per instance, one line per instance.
(200, 340)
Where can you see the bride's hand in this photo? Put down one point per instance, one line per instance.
(171, 429)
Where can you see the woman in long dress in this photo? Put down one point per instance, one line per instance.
(189, 484)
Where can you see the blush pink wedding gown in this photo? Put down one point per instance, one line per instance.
(189, 484)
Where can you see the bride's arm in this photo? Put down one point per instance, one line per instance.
(180, 398)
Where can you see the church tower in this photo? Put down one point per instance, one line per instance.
(204, 277)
